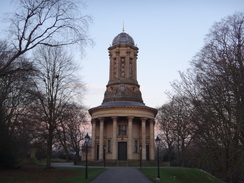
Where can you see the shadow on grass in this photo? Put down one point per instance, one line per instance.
(180, 175)
(33, 174)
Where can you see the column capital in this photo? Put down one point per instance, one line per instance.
(101, 119)
(93, 121)
(130, 117)
(114, 117)
(152, 120)
(144, 119)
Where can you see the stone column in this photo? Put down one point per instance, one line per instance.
(143, 138)
(130, 146)
(93, 139)
(151, 151)
(114, 139)
(101, 138)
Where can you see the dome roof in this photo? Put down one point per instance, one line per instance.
(123, 39)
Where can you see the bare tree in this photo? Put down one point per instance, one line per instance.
(45, 22)
(215, 87)
(222, 76)
(72, 129)
(14, 98)
(51, 23)
(175, 122)
(166, 127)
(56, 85)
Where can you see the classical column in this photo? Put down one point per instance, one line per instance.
(101, 138)
(114, 139)
(143, 138)
(130, 119)
(152, 155)
(93, 139)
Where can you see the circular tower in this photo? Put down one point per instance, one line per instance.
(123, 126)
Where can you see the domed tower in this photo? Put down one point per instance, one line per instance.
(123, 85)
(123, 126)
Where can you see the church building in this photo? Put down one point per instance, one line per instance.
(123, 126)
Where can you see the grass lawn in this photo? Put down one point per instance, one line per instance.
(55, 175)
(180, 175)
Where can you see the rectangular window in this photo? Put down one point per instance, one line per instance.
(109, 146)
(136, 146)
(122, 130)
(122, 67)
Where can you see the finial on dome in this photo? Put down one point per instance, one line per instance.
(123, 28)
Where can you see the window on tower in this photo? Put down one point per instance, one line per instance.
(122, 67)
(131, 68)
(115, 68)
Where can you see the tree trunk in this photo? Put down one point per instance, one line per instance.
(77, 156)
(66, 154)
(170, 155)
(49, 149)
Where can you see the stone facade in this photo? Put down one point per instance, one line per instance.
(123, 126)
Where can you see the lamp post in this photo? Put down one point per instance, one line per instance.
(157, 140)
(104, 155)
(140, 155)
(87, 138)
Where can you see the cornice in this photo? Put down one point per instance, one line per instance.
(102, 108)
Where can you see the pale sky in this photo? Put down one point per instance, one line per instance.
(168, 34)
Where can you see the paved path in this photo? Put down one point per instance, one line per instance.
(65, 164)
(121, 175)
(114, 174)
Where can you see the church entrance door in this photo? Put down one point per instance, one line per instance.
(122, 151)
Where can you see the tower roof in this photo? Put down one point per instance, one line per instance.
(123, 39)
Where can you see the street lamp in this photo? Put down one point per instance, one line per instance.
(140, 155)
(157, 140)
(104, 155)
(87, 138)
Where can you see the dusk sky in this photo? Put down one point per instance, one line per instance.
(168, 34)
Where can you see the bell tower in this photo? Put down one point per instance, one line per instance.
(122, 126)
(122, 84)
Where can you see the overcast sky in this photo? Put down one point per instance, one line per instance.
(168, 34)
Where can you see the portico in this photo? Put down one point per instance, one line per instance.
(120, 130)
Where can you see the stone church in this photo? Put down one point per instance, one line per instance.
(123, 126)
